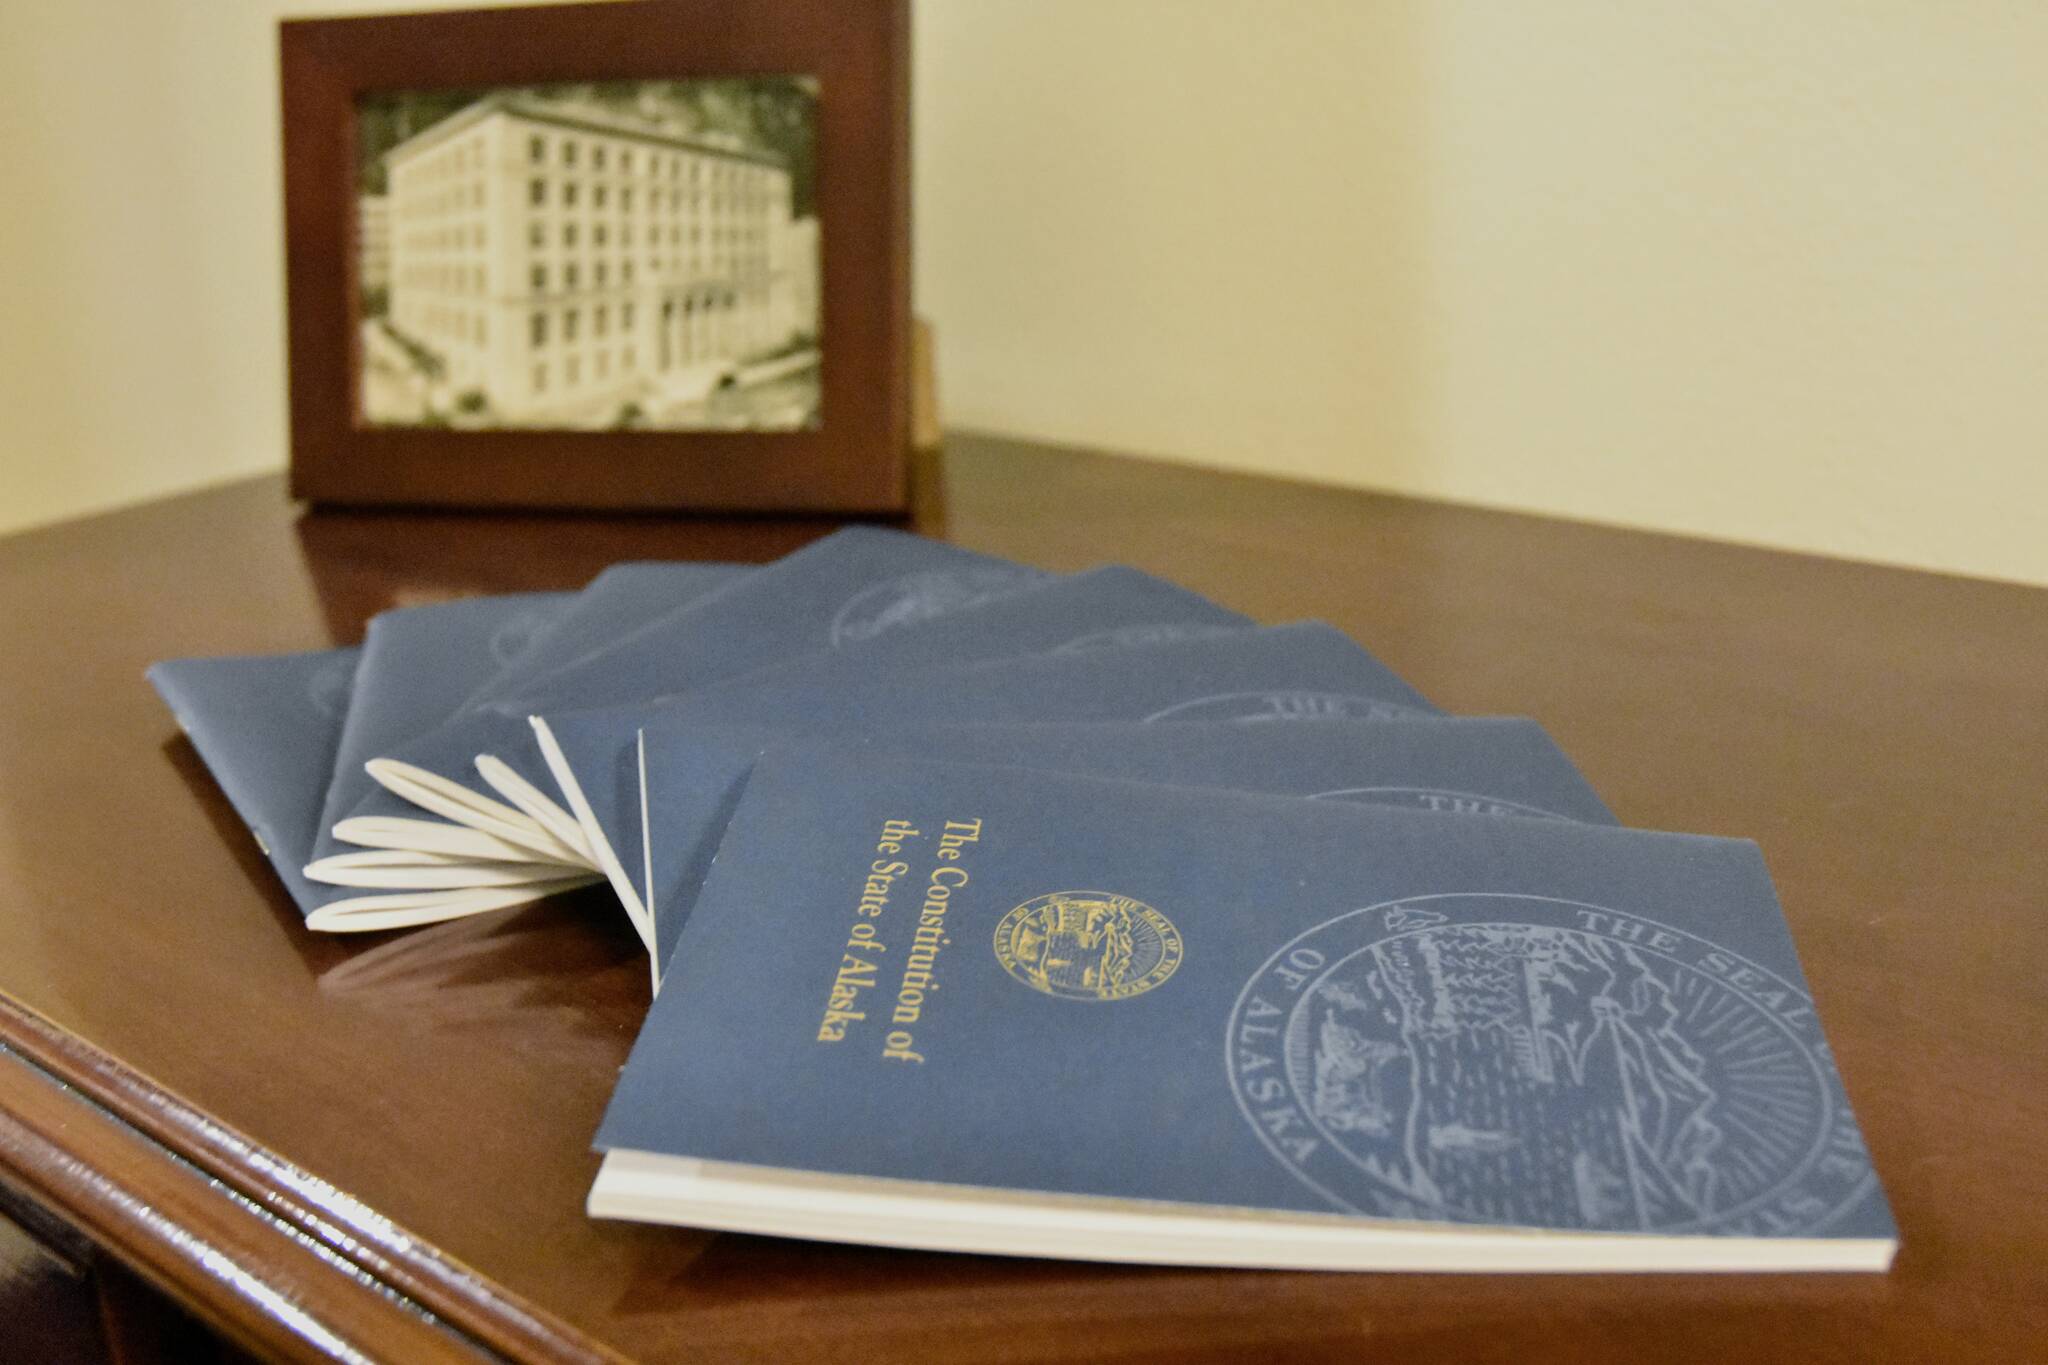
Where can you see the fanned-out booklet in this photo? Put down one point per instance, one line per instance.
(1076, 915)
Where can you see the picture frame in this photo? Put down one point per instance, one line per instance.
(424, 397)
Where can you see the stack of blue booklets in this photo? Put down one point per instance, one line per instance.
(1075, 915)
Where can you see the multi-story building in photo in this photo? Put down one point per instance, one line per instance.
(564, 261)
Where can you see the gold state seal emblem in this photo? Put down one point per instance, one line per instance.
(1088, 945)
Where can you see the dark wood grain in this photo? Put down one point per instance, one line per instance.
(855, 461)
(1884, 734)
(195, 1241)
(175, 1141)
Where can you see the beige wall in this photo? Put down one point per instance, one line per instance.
(141, 249)
(1765, 272)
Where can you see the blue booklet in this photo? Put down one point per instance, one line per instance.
(998, 1010)
(1281, 672)
(850, 586)
(269, 728)
(419, 664)
(592, 755)
(266, 727)
(423, 666)
(1302, 671)
(619, 601)
(1268, 673)
(1113, 606)
(690, 779)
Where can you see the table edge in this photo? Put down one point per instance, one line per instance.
(262, 1249)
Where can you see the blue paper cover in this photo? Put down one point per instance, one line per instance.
(418, 666)
(1025, 981)
(852, 585)
(847, 587)
(1278, 672)
(1105, 608)
(618, 602)
(266, 727)
(1491, 765)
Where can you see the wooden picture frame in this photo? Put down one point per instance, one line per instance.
(854, 54)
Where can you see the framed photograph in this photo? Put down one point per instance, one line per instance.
(610, 256)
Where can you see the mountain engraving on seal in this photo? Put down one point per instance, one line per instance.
(1285, 704)
(922, 596)
(1088, 945)
(1523, 1061)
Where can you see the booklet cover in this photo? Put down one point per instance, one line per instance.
(619, 601)
(1492, 765)
(419, 664)
(1307, 670)
(990, 1009)
(266, 727)
(851, 586)
(423, 665)
(1302, 671)
(1113, 606)
(592, 756)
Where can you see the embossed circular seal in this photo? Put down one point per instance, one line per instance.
(921, 596)
(1439, 801)
(1287, 704)
(509, 640)
(1522, 1060)
(1088, 945)
(328, 689)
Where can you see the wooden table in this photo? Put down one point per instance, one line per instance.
(321, 1144)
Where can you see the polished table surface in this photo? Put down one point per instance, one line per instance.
(381, 1144)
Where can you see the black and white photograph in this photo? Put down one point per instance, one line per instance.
(616, 255)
